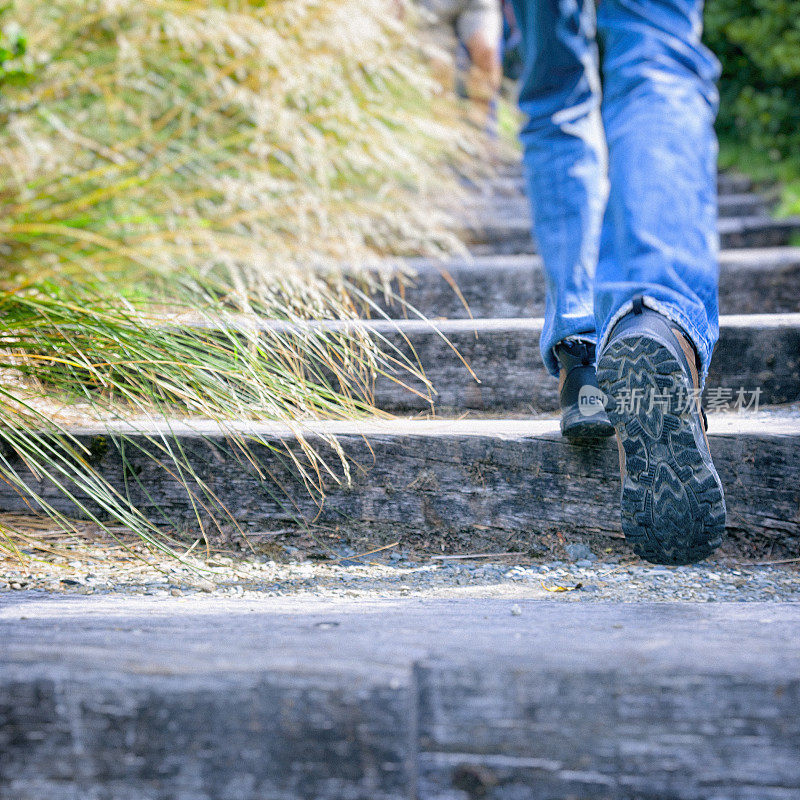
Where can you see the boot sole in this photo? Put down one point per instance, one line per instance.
(673, 507)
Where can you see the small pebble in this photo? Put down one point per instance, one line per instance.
(619, 578)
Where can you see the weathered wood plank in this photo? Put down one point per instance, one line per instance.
(512, 236)
(288, 734)
(218, 698)
(494, 365)
(754, 353)
(733, 183)
(460, 485)
(478, 209)
(508, 731)
(510, 182)
(752, 281)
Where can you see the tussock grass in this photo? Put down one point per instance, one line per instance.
(219, 158)
(244, 140)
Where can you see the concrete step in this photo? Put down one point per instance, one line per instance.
(494, 365)
(752, 281)
(465, 485)
(511, 236)
(226, 699)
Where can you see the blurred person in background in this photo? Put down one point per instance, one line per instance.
(622, 184)
(477, 27)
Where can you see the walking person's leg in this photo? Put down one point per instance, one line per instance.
(660, 233)
(656, 283)
(565, 168)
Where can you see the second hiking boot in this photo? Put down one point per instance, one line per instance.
(582, 413)
(673, 508)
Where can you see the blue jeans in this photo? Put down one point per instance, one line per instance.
(622, 182)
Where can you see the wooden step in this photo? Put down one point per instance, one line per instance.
(131, 703)
(512, 236)
(466, 485)
(494, 365)
(752, 281)
(260, 698)
(510, 183)
(733, 183)
(517, 208)
(746, 204)
(645, 730)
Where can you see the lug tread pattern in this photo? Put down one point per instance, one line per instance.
(673, 507)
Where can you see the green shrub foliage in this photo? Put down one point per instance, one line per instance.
(758, 43)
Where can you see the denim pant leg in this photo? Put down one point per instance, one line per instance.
(660, 236)
(565, 158)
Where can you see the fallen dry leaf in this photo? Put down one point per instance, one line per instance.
(562, 588)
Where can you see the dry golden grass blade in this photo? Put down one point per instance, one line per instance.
(228, 157)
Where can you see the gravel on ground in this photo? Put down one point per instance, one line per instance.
(90, 562)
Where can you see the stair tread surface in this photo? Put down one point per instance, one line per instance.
(389, 699)
(380, 639)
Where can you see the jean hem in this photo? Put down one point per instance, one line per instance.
(702, 344)
(549, 355)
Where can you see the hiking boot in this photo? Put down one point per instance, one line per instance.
(582, 413)
(673, 508)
